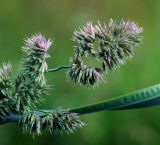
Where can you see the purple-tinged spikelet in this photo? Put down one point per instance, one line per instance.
(31, 82)
(35, 54)
(38, 42)
(84, 39)
(131, 27)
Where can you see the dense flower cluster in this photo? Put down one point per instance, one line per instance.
(117, 42)
(34, 57)
(32, 75)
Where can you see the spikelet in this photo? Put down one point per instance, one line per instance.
(84, 38)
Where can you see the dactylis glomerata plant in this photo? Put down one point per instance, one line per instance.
(116, 43)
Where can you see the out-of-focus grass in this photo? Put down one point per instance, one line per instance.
(58, 20)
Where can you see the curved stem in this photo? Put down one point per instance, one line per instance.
(58, 68)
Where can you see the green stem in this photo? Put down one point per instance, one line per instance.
(58, 68)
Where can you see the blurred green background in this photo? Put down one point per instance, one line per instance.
(58, 19)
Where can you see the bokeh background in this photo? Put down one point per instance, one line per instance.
(58, 19)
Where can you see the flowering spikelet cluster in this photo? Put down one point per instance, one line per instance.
(117, 42)
(84, 75)
(34, 57)
(59, 121)
(31, 82)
